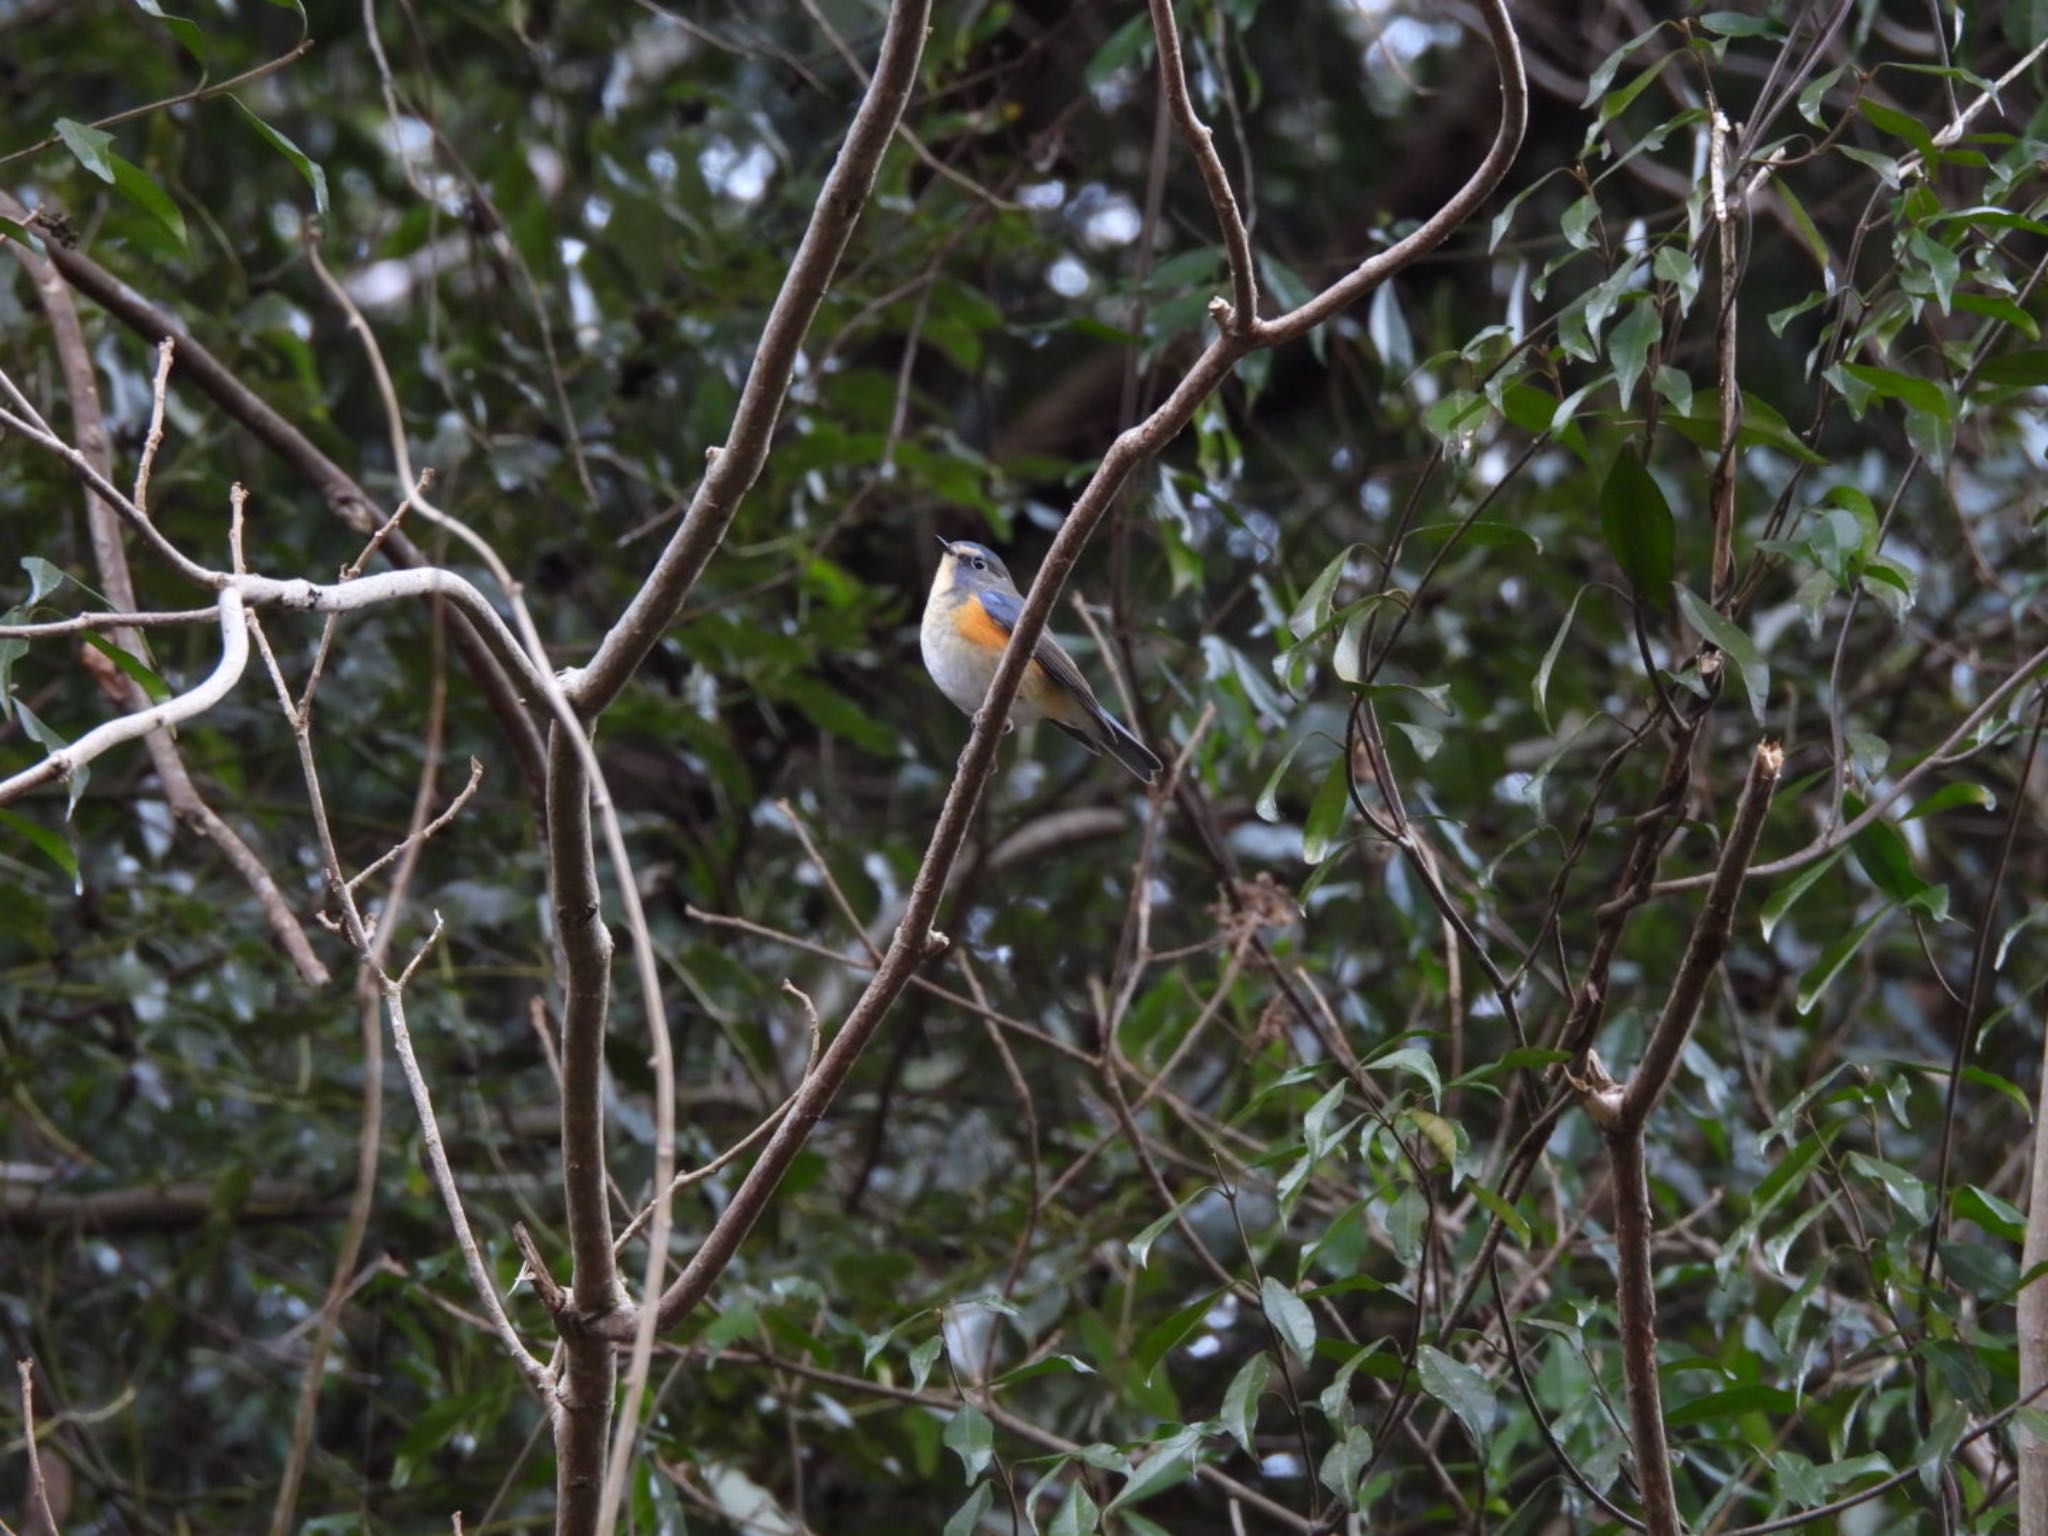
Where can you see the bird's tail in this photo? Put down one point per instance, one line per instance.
(1117, 740)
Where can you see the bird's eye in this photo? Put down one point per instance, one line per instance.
(980, 564)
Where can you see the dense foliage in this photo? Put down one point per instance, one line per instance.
(1187, 1152)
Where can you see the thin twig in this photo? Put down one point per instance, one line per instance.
(38, 1488)
(197, 93)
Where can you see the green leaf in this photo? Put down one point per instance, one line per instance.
(1455, 415)
(32, 726)
(316, 178)
(1348, 659)
(2017, 369)
(1815, 90)
(1602, 77)
(89, 145)
(1732, 1403)
(1268, 804)
(1316, 1134)
(1834, 957)
(1907, 1190)
(1540, 687)
(1762, 424)
(1898, 125)
(1046, 1366)
(1409, 1058)
(1628, 348)
(1733, 642)
(1161, 1339)
(189, 37)
(145, 194)
(970, 1436)
(1326, 812)
(1782, 899)
(1509, 1217)
(1405, 1219)
(1882, 854)
(834, 713)
(1426, 741)
(43, 578)
(1808, 230)
(1576, 223)
(1737, 24)
(923, 1358)
(1618, 102)
(52, 845)
(1240, 1414)
(1313, 611)
(1997, 307)
(1673, 265)
(1345, 1464)
(1335, 1400)
(1910, 390)
(1171, 1463)
(1078, 1514)
(155, 687)
(1141, 1246)
(1290, 1317)
(967, 1518)
(1130, 43)
(1459, 1387)
(1991, 1213)
(1635, 519)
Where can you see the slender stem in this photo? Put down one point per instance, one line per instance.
(735, 466)
(1636, 1298)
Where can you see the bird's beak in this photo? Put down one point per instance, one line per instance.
(945, 544)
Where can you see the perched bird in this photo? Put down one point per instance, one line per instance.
(968, 618)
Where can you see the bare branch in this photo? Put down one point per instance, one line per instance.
(1721, 493)
(1405, 252)
(735, 466)
(28, 1208)
(1237, 245)
(38, 1488)
(423, 834)
(159, 388)
(1885, 799)
(60, 765)
(915, 940)
(299, 50)
(91, 622)
(370, 948)
(344, 497)
(111, 557)
(1636, 1299)
(1709, 942)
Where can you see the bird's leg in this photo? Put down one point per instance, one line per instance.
(1008, 725)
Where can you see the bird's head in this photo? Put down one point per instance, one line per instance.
(971, 567)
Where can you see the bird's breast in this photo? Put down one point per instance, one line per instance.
(962, 646)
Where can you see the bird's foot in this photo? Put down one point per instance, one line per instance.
(1008, 725)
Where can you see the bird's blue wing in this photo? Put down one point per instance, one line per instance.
(1005, 608)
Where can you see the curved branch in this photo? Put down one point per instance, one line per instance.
(915, 940)
(343, 495)
(61, 764)
(1405, 252)
(110, 555)
(735, 466)
(1825, 844)
(1237, 244)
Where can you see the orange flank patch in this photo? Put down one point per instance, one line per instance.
(972, 623)
(977, 628)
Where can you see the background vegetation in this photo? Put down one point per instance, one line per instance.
(1208, 1143)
